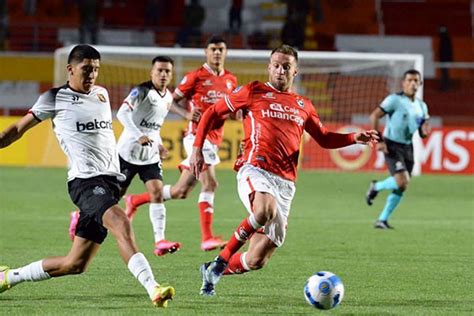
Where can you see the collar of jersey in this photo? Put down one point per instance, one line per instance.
(159, 93)
(71, 88)
(209, 69)
(268, 84)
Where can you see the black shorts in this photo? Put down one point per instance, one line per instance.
(399, 157)
(146, 172)
(93, 196)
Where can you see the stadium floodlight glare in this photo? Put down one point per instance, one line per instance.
(344, 86)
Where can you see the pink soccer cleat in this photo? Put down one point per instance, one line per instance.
(213, 243)
(163, 247)
(130, 208)
(73, 224)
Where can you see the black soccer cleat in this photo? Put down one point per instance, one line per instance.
(371, 193)
(382, 225)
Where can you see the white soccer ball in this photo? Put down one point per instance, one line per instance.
(324, 290)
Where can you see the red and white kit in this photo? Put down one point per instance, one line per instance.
(204, 87)
(274, 122)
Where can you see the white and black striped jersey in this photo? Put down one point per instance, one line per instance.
(83, 126)
(142, 113)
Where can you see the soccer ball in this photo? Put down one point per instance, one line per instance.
(324, 290)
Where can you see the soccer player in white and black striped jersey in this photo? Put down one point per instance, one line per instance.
(82, 121)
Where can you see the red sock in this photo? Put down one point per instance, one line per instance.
(235, 265)
(206, 213)
(140, 199)
(243, 232)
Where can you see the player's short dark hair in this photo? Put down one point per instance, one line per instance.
(215, 39)
(287, 50)
(411, 72)
(81, 52)
(162, 59)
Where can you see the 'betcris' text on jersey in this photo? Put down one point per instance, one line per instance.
(147, 108)
(83, 126)
(267, 113)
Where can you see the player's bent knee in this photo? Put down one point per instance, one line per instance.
(256, 263)
(181, 193)
(211, 186)
(403, 186)
(156, 196)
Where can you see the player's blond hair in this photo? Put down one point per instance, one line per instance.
(287, 50)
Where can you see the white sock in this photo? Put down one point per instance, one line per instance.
(243, 260)
(32, 272)
(141, 270)
(207, 197)
(158, 220)
(167, 192)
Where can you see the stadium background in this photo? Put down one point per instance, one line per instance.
(424, 267)
(35, 29)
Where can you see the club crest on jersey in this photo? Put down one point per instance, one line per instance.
(237, 89)
(101, 98)
(98, 190)
(300, 103)
(228, 83)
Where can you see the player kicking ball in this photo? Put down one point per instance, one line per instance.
(274, 120)
(82, 121)
(139, 147)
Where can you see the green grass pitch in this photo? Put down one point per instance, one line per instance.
(423, 267)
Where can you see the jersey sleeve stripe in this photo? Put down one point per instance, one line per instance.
(229, 104)
(179, 92)
(34, 115)
(129, 105)
(385, 111)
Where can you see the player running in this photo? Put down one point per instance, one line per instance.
(274, 122)
(142, 114)
(406, 115)
(202, 87)
(82, 121)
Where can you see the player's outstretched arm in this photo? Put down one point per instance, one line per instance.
(331, 140)
(370, 137)
(16, 130)
(193, 115)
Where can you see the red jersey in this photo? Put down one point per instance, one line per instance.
(204, 87)
(274, 122)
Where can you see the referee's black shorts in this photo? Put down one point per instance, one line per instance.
(399, 157)
(146, 172)
(93, 196)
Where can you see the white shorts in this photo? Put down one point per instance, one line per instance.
(209, 151)
(253, 179)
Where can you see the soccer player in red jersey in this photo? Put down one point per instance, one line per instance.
(202, 88)
(274, 121)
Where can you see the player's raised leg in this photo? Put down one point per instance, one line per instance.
(75, 262)
(264, 206)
